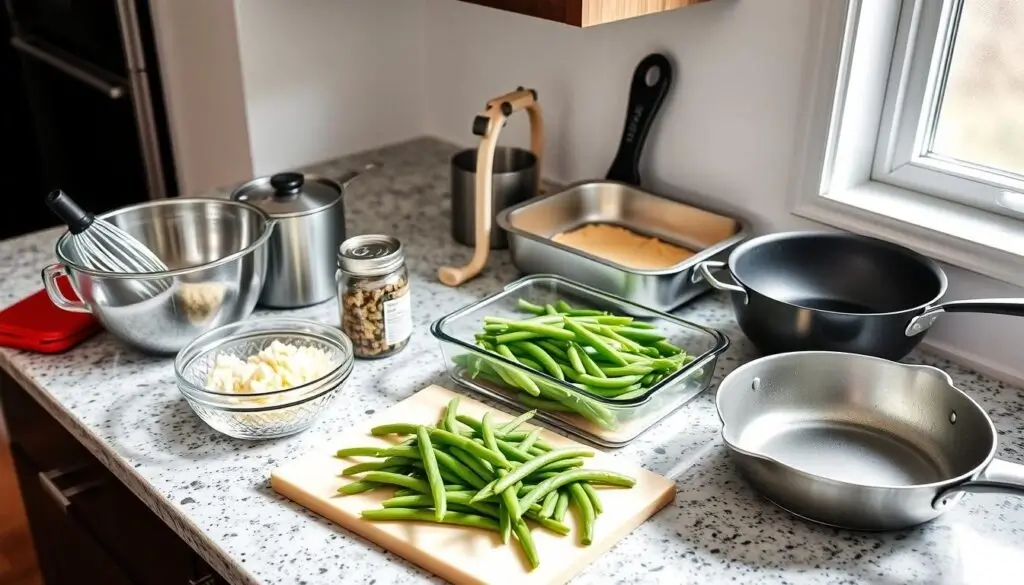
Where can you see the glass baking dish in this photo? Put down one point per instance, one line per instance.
(609, 423)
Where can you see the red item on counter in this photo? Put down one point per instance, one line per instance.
(35, 324)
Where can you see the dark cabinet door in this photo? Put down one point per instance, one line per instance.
(71, 497)
(67, 555)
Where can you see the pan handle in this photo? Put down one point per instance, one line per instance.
(704, 271)
(1000, 477)
(922, 322)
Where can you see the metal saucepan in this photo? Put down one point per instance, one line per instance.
(798, 291)
(859, 442)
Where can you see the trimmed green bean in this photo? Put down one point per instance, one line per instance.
(574, 360)
(554, 350)
(541, 404)
(609, 383)
(548, 507)
(563, 306)
(555, 526)
(405, 481)
(528, 307)
(667, 348)
(455, 498)
(546, 361)
(595, 500)
(522, 381)
(585, 335)
(514, 424)
(358, 487)
(536, 328)
(481, 468)
(561, 506)
(645, 336)
(637, 369)
(525, 540)
(465, 474)
(450, 411)
(589, 365)
(550, 310)
(358, 452)
(587, 515)
(520, 473)
(390, 462)
(469, 446)
(529, 440)
(417, 515)
(513, 336)
(394, 429)
(572, 476)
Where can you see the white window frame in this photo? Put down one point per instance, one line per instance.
(864, 103)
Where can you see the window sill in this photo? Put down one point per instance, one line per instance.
(979, 241)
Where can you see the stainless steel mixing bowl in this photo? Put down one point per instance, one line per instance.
(216, 252)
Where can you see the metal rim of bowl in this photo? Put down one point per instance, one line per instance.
(202, 346)
(268, 229)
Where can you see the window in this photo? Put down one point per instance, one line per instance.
(915, 127)
(953, 123)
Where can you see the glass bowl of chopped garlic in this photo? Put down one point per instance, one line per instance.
(264, 378)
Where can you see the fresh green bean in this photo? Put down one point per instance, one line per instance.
(589, 365)
(526, 543)
(394, 429)
(450, 411)
(595, 500)
(574, 360)
(417, 515)
(358, 487)
(667, 348)
(509, 502)
(637, 369)
(561, 506)
(408, 450)
(530, 363)
(588, 337)
(469, 446)
(607, 332)
(540, 329)
(521, 380)
(548, 508)
(390, 462)
(609, 383)
(553, 349)
(546, 361)
(572, 476)
(358, 452)
(550, 310)
(513, 336)
(480, 468)
(528, 307)
(585, 313)
(645, 336)
(520, 473)
(563, 306)
(541, 404)
(586, 509)
(400, 480)
(528, 441)
(489, 440)
(551, 524)
(514, 424)
(454, 498)
(465, 474)
(641, 325)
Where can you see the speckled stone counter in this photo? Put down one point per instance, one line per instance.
(214, 491)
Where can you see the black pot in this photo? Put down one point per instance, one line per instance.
(802, 291)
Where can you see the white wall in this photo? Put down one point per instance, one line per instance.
(202, 78)
(327, 77)
(727, 129)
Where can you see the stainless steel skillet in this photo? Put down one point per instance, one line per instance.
(859, 442)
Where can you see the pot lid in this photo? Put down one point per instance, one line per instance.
(289, 194)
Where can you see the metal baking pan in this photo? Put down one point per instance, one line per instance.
(532, 224)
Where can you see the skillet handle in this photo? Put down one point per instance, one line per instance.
(1000, 477)
(704, 271)
(922, 322)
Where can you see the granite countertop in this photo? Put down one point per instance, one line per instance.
(214, 491)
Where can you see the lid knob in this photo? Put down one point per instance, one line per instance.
(287, 183)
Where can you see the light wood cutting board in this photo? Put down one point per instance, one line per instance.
(464, 555)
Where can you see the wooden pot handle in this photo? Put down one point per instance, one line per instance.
(488, 124)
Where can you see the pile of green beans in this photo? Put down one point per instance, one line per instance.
(473, 472)
(613, 357)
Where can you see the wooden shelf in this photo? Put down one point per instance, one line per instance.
(584, 13)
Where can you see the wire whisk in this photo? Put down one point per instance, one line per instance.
(100, 245)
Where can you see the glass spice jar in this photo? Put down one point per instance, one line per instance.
(374, 295)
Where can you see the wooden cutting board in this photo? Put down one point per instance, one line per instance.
(464, 555)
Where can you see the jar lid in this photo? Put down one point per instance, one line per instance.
(370, 255)
(289, 194)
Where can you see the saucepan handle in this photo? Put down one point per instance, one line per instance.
(703, 270)
(922, 322)
(50, 275)
(1000, 477)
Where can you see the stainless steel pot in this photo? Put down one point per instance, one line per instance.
(216, 252)
(859, 442)
(310, 214)
(514, 180)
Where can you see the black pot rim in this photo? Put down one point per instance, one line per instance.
(753, 243)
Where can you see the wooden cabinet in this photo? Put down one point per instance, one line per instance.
(87, 526)
(585, 12)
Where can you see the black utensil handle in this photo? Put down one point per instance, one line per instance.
(644, 102)
(1012, 307)
(76, 218)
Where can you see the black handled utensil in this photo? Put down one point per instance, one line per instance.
(652, 80)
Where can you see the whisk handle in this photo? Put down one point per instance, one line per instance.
(76, 218)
